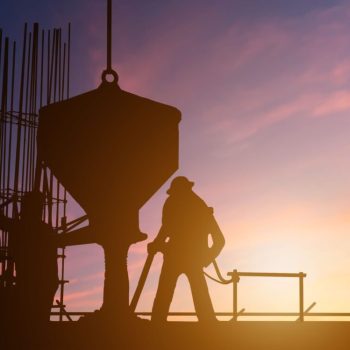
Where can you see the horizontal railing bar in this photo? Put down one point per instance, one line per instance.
(308, 314)
(345, 314)
(265, 274)
(253, 314)
(72, 313)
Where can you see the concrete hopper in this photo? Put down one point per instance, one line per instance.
(111, 149)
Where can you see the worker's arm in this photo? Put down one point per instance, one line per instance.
(163, 233)
(158, 242)
(6, 223)
(218, 239)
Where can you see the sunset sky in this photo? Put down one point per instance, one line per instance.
(264, 91)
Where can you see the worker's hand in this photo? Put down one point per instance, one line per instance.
(207, 262)
(208, 259)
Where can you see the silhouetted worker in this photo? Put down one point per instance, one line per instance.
(35, 254)
(183, 238)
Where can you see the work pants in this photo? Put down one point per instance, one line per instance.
(171, 271)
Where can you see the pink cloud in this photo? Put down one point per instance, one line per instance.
(340, 73)
(69, 297)
(242, 112)
(317, 42)
(93, 277)
(338, 101)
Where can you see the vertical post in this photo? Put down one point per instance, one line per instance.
(62, 281)
(235, 279)
(301, 296)
(63, 256)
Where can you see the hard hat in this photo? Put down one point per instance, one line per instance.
(180, 183)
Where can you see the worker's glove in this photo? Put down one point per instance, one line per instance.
(208, 258)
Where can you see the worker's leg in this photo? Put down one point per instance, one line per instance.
(166, 287)
(200, 294)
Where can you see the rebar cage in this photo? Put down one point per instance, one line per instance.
(39, 76)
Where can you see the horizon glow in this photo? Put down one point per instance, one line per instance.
(264, 91)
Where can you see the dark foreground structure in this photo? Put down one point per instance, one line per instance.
(111, 151)
(192, 336)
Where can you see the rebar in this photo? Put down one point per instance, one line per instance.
(41, 75)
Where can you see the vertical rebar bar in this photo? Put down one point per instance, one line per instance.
(68, 60)
(13, 75)
(3, 129)
(24, 181)
(19, 122)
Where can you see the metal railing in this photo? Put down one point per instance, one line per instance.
(222, 314)
(234, 278)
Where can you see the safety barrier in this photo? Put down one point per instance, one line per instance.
(234, 278)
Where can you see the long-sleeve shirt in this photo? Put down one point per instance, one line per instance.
(186, 225)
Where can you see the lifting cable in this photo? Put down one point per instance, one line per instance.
(109, 70)
(220, 278)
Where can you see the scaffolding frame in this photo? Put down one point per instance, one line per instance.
(39, 77)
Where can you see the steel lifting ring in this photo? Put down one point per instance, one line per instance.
(111, 72)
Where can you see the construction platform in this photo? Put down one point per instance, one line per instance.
(195, 336)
